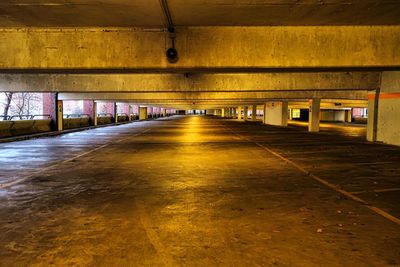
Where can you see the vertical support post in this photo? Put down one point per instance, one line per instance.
(94, 113)
(245, 113)
(314, 115)
(348, 115)
(143, 113)
(285, 115)
(115, 112)
(276, 113)
(254, 113)
(59, 117)
(239, 111)
(372, 122)
(223, 115)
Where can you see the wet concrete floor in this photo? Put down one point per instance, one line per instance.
(199, 191)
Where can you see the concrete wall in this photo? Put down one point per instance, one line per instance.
(25, 127)
(72, 123)
(332, 115)
(104, 120)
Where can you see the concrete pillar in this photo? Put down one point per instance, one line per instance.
(223, 113)
(314, 115)
(164, 112)
(60, 114)
(254, 113)
(276, 113)
(90, 109)
(245, 113)
(384, 110)
(142, 113)
(115, 113)
(239, 113)
(348, 117)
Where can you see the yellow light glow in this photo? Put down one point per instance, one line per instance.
(192, 131)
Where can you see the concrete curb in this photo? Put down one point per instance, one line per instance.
(56, 133)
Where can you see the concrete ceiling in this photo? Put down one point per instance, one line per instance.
(147, 13)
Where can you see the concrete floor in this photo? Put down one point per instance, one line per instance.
(197, 191)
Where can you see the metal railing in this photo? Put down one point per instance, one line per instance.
(104, 115)
(75, 116)
(25, 117)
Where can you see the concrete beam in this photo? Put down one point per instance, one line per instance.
(200, 48)
(332, 104)
(189, 97)
(232, 82)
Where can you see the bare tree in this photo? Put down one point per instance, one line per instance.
(9, 96)
(22, 103)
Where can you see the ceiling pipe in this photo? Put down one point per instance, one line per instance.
(171, 53)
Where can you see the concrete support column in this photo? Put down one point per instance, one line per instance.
(142, 113)
(384, 110)
(245, 113)
(276, 113)
(348, 116)
(239, 113)
(314, 115)
(60, 115)
(223, 113)
(254, 113)
(90, 109)
(115, 112)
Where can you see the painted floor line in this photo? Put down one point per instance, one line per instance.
(385, 190)
(6, 185)
(324, 182)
